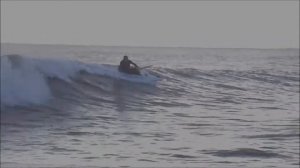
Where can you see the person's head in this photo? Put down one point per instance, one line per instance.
(125, 57)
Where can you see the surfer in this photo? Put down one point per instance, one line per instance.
(127, 66)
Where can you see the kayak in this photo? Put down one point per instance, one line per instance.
(113, 71)
(132, 71)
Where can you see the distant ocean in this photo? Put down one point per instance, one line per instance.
(68, 106)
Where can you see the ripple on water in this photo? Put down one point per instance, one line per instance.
(245, 152)
(183, 156)
(146, 160)
(273, 136)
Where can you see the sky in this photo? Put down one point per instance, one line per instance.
(217, 24)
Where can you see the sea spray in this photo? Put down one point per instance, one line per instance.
(21, 83)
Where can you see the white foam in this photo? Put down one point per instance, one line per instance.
(21, 84)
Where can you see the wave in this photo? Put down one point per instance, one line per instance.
(25, 80)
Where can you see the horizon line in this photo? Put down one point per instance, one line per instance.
(135, 46)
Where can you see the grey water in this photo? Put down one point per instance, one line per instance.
(209, 108)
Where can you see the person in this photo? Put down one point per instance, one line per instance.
(126, 66)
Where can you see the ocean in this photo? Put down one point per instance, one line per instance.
(68, 106)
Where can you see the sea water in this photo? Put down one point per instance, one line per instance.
(68, 106)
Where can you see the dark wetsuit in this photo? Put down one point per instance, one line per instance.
(125, 67)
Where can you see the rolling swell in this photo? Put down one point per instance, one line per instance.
(229, 86)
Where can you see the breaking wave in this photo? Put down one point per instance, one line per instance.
(25, 80)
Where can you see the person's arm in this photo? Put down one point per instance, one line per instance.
(134, 64)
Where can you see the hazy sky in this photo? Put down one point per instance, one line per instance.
(249, 24)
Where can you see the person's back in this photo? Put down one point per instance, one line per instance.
(124, 65)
